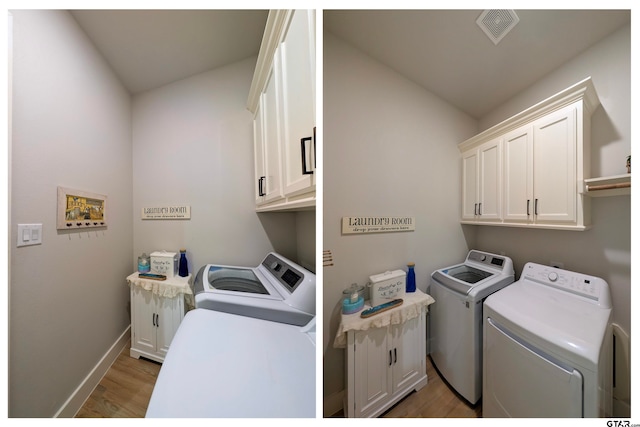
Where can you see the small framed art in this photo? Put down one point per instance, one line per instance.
(80, 209)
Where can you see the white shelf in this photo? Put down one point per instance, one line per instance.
(616, 185)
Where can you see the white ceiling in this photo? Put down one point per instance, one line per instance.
(151, 48)
(442, 50)
(447, 53)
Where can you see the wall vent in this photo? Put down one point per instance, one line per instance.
(496, 23)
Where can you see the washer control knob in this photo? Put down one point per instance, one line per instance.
(553, 276)
(483, 257)
(275, 266)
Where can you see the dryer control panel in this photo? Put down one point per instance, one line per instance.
(590, 288)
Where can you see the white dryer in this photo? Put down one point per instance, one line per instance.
(223, 365)
(547, 346)
(455, 318)
(247, 350)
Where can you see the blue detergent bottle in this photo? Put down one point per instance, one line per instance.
(411, 278)
(183, 269)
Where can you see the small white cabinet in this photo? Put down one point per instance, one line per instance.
(542, 159)
(154, 318)
(384, 363)
(282, 98)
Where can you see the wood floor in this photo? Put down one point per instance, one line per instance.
(435, 400)
(124, 391)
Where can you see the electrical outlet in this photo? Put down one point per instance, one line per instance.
(557, 264)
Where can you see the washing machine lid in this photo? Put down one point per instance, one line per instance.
(468, 274)
(278, 290)
(237, 279)
(560, 322)
(461, 278)
(478, 269)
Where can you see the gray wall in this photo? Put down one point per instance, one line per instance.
(193, 145)
(390, 148)
(68, 298)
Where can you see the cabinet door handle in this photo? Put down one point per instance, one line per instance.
(153, 319)
(261, 186)
(480, 209)
(157, 320)
(528, 202)
(390, 358)
(475, 209)
(395, 355)
(304, 155)
(535, 207)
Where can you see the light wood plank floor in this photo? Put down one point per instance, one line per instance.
(124, 391)
(435, 400)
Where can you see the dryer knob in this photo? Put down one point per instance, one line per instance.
(553, 276)
(483, 257)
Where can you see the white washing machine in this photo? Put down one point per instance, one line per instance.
(547, 346)
(455, 318)
(278, 290)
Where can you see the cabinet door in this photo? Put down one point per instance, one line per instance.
(170, 312)
(258, 153)
(143, 320)
(298, 103)
(372, 370)
(554, 167)
(490, 181)
(518, 175)
(271, 136)
(469, 185)
(408, 353)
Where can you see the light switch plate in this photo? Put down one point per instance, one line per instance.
(29, 234)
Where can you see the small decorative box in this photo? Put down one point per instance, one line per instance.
(163, 262)
(387, 286)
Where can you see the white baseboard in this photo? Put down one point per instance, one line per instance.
(333, 404)
(84, 390)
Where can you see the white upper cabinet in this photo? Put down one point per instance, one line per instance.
(518, 175)
(298, 96)
(481, 177)
(555, 189)
(544, 157)
(282, 98)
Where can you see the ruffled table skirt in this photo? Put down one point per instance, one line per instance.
(413, 304)
(169, 288)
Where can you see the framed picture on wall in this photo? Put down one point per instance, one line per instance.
(80, 209)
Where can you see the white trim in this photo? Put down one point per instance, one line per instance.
(333, 404)
(274, 31)
(583, 90)
(73, 404)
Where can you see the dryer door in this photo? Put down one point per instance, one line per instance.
(524, 382)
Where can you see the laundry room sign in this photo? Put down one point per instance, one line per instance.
(166, 212)
(377, 224)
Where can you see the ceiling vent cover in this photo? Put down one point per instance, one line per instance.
(497, 23)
